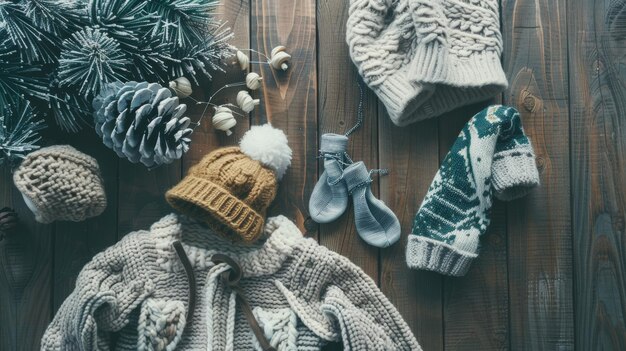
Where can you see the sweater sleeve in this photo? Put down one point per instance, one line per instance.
(338, 302)
(107, 289)
(366, 318)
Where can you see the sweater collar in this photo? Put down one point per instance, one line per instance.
(201, 243)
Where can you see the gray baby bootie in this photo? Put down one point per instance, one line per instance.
(329, 198)
(376, 224)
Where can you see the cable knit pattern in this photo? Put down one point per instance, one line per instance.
(61, 183)
(427, 57)
(161, 325)
(279, 327)
(302, 294)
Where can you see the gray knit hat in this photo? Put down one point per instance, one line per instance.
(426, 57)
(61, 183)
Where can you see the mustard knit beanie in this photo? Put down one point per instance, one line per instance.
(423, 58)
(61, 183)
(231, 188)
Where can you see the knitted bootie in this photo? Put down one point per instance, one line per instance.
(491, 157)
(329, 198)
(376, 224)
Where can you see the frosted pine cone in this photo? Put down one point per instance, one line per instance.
(142, 122)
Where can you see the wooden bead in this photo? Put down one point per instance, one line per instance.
(279, 58)
(278, 49)
(223, 119)
(253, 81)
(243, 59)
(181, 86)
(246, 102)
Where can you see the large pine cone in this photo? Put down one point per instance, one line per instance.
(142, 122)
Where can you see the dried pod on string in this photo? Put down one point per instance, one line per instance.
(246, 102)
(278, 49)
(181, 86)
(223, 119)
(279, 58)
(243, 59)
(253, 81)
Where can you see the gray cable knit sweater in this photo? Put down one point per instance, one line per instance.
(134, 296)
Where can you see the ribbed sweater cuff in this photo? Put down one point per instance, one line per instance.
(430, 64)
(204, 200)
(401, 96)
(475, 71)
(432, 255)
(454, 82)
(514, 173)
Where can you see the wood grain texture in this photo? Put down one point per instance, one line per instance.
(551, 274)
(412, 156)
(539, 225)
(236, 16)
(597, 41)
(25, 275)
(289, 98)
(476, 311)
(142, 194)
(74, 243)
(338, 101)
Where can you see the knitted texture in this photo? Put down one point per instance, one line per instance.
(427, 57)
(302, 295)
(491, 156)
(227, 190)
(329, 198)
(376, 224)
(61, 183)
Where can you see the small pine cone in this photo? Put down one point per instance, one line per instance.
(142, 122)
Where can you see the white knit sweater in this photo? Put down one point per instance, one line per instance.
(134, 296)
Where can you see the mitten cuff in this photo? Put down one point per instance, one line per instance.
(432, 255)
(514, 173)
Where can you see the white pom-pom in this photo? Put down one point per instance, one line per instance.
(269, 146)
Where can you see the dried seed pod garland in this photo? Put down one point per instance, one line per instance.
(279, 58)
(224, 120)
(253, 81)
(243, 60)
(246, 102)
(181, 86)
(142, 122)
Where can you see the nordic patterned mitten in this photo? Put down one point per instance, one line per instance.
(491, 156)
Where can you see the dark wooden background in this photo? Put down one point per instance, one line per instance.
(552, 271)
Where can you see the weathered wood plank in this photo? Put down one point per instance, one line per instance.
(476, 305)
(205, 138)
(142, 194)
(411, 155)
(597, 42)
(338, 101)
(539, 225)
(289, 99)
(77, 242)
(25, 275)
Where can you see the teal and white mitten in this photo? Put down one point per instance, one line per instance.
(491, 157)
